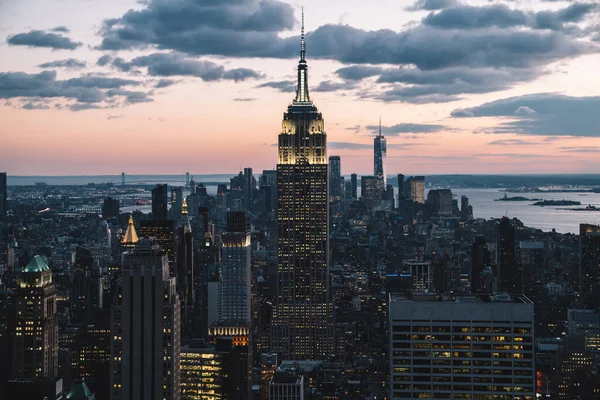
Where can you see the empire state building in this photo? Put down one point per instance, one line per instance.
(302, 325)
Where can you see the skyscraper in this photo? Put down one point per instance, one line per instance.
(509, 268)
(414, 189)
(35, 351)
(235, 270)
(145, 329)
(110, 208)
(379, 153)
(589, 242)
(400, 186)
(302, 325)
(3, 195)
(354, 184)
(480, 258)
(159, 203)
(176, 203)
(248, 188)
(335, 178)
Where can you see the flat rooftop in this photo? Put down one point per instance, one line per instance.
(463, 298)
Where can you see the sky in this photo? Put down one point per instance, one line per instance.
(168, 86)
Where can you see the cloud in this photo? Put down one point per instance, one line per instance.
(358, 72)
(163, 83)
(114, 117)
(63, 29)
(282, 86)
(170, 64)
(408, 128)
(69, 63)
(431, 5)
(590, 149)
(512, 142)
(37, 38)
(349, 145)
(103, 60)
(555, 115)
(35, 106)
(517, 155)
(244, 99)
(330, 86)
(88, 91)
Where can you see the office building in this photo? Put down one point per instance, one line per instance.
(370, 192)
(35, 348)
(160, 198)
(589, 245)
(586, 323)
(145, 328)
(461, 346)
(184, 271)
(302, 324)
(176, 203)
(232, 342)
(572, 363)
(441, 201)
(286, 384)
(268, 365)
(236, 275)
(480, 259)
(509, 267)
(400, 186)
(379, 156)
(162, 234)
(3, 195)
(130, 238)
(335, 179)
(50, 388)
(249, 188)
(414, 189)
(110, 208)
(420, 273)
(201, 372)
(354, 186)
(466, 210)
(87, 286)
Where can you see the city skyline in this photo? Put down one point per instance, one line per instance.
(83, 90)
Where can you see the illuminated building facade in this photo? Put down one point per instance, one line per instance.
(414, 189)
(232, 341)
(35, 350)
(145, 321)
(589, 239)
(201, 373)
(461, 346)
(420, 272)
(302, 325)
(162, 234)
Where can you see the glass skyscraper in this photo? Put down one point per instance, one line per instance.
(379, 155)
(302, 325)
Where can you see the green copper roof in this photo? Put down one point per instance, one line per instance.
(37, 264)
(79, 391)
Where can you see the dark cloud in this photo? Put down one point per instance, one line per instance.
(431, 5)
(407, 128)
(89, 91)
(62, 29)
(349, 145)
(330, 86)
(163, 83)
(513, 142)
(105, 59)
(358, 72)
(35, 106)
(549, 114)
(244, 99)
(282, 86)
(69, 63)
(168, 64)
(36, 38)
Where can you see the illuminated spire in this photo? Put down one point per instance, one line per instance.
(380, 126)
(184, 210)
(187, 227)
(131, 236)
(302, 87)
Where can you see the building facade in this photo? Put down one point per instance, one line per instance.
(379, 156)
(589, 239)
(160, 197)
(145, 326)
(461, 346)
(35, 350)
(335, 178)
(302, 324)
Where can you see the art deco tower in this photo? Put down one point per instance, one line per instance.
(302, 322)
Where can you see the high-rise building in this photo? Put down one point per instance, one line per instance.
(236, 276)
(480, 259)
(379, 156)
(110, 208)
(35, 348)
(414, 189)
(508, 265)
(589, 245)
(400, 186)
(354, 185)
(572, 362)
(160, 198)
(370, 189)
(441, 200)
(335, 178)
(201, 372)
(249, 188)
(3, 195)
(145, 328)
(184, 271)
(162, 234)
(420, 272)
(461, 346)
(176, 203)
(302, 325)
(87, 286)
(286, 384)
(466, 210)
(130, 238)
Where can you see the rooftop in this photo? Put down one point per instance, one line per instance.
(37, 264)
(463, 298)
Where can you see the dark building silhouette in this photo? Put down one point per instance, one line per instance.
(249, 188)
(184, 257)
(176, 203)
(370, 189)
(87, 287)
(441, 201)
(3, 195)
(354, 186)
(589, 244)
(508, 266)
(35, 389)
(335, 178)
(480, 258)
(162, 234)
(110, 208)
(400, 186)
(302, 324)
(160, 197)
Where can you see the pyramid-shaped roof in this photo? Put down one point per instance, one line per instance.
(37, 264)
(80, 391)
(131, 235)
